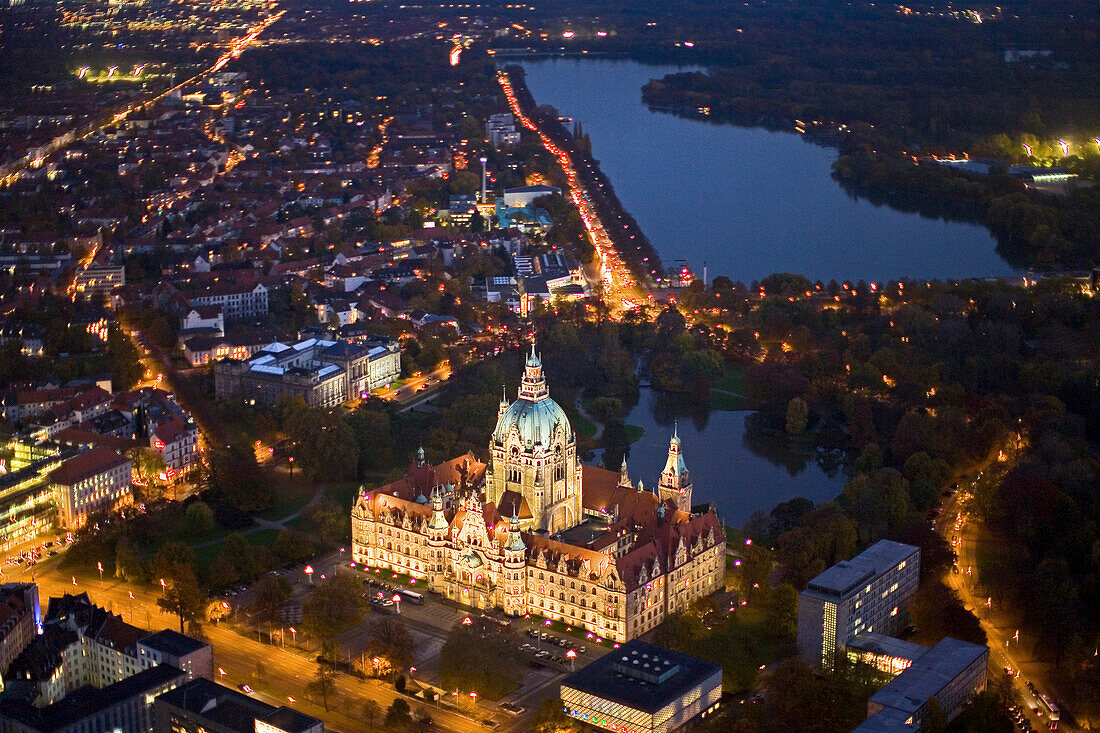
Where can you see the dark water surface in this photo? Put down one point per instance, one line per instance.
(746, 201)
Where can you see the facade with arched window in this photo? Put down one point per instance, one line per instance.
(536, 532)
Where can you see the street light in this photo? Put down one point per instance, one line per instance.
(309, 571)
(572, 656)
(99, 567)
(293, 635)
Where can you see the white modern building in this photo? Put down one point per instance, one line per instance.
(866, 594)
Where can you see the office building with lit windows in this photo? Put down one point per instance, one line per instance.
(643, 688)
(866, 594)
(950, 672)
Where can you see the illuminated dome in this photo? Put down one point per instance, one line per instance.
(534, 415)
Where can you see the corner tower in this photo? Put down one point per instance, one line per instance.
(675, 479)
(533, 453)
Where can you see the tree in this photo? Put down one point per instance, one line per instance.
(390, 640)
(147, 463)
(182, 595)
(293, 546)
(478, 658)
(372, 711)
(798, 413)
(399, 715)
(781, 611)
(329, 520)
(551, 718)
(324, 681)
(199, 517)
(271, 592)
(171, 557)
(128, 564)
(334, 607)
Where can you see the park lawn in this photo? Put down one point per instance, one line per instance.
(207, 555)
(343, 493)
(291, 494)
(584, 427)
(734, 381)
(633, 432)
(726, 401)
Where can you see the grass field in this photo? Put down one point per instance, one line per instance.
(262, 538)
(734, 381)
(727, 401)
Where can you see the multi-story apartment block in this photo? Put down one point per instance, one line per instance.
(248, 300)
(93, 481)
(83, 645)
(178, 441)
(200, 706)
(20, 617)
(865, 594)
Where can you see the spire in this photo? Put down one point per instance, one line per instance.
(438, 519)
(624, 475)
(641, 486)
(533, 387)
(420, 456)
(515, 541)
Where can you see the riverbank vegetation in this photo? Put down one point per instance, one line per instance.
(886, 85)
(925, 385)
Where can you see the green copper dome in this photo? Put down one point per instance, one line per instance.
(534, 415)
(535, 421)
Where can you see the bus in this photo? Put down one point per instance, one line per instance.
(411, 597)
(1052, 712)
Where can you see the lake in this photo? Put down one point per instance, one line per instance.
(746, 201)
(730, 466)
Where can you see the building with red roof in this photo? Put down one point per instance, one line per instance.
(535, 532)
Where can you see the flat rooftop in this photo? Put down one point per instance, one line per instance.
(929, 674)
(657, 676)
(847, 575)
(172, 642)
(887, 646)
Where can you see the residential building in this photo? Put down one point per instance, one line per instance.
(204, 318)
(98, 281)
(201, 706)
(643, 688)
(950, 672)
(500, 129)
(98, 480)
(83, 645)
(194, 657)
(126, 705)
(863, 595)
(20, 617)
(177, 439)
(535, 532)
(237, 300)
(322, 372)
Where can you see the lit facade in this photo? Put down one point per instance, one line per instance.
(535, 532)
(866, 594)
(642, 688)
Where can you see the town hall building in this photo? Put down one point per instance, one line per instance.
(536, 532)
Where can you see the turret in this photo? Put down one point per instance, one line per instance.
(624, 476)
(675, 479)
(437, 541)
(515, 560)
(420, 457)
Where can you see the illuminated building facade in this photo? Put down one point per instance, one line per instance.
(866, 594)
(534, 531)
(642, 688)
